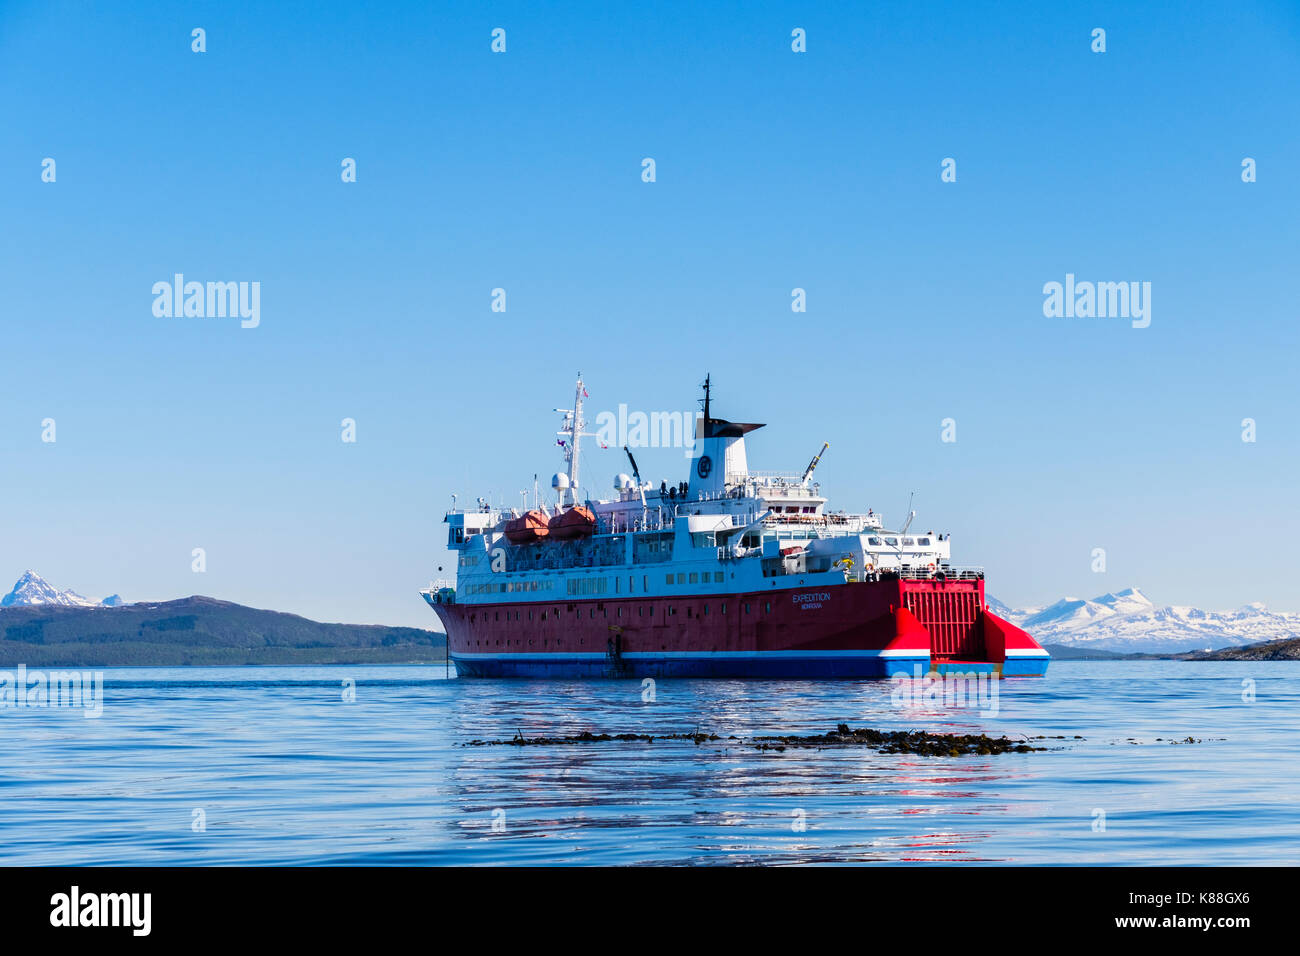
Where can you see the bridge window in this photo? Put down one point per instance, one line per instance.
(717, 577)
(695, 577)
(668, 579)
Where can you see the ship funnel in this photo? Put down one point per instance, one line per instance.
(720, 462)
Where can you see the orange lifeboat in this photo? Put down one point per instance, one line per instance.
(577, 522)
(529, 527)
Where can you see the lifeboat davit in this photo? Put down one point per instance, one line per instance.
(528, 527)
(577, 522)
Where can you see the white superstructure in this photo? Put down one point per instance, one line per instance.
(728, 529)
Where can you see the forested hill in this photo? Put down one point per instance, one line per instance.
(199, 630)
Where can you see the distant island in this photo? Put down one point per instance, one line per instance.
(1287, 649)
(198, 631)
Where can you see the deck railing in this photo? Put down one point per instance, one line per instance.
(955, 573)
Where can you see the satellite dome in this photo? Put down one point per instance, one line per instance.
(559, 482)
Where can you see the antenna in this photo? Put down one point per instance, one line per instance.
(910, 513)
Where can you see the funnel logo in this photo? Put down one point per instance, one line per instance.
(704, 466)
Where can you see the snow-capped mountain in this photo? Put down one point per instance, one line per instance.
(1128, 621)
(32, 590)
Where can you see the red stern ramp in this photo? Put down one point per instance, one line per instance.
(1019, 654)
(963, 635)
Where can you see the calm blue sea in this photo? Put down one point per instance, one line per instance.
(278, 768)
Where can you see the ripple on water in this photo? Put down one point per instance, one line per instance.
(285, 771)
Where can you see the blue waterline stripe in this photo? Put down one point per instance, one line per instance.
(694, 655)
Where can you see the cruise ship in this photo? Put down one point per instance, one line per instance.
(730, 573)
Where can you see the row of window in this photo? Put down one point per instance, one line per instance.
(593, 585)
(893, 542)
(642, 611)
(589, 585)
(509, 587)
(694, 577)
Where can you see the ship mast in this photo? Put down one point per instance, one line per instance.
(571, 433)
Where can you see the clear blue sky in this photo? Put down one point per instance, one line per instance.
(522, 170)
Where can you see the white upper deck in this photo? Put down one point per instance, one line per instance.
(725, 519)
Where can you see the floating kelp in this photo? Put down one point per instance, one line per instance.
(916, 742)
(1186, 740)
(587, 737)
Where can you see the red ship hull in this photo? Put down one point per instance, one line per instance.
(851, 630)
